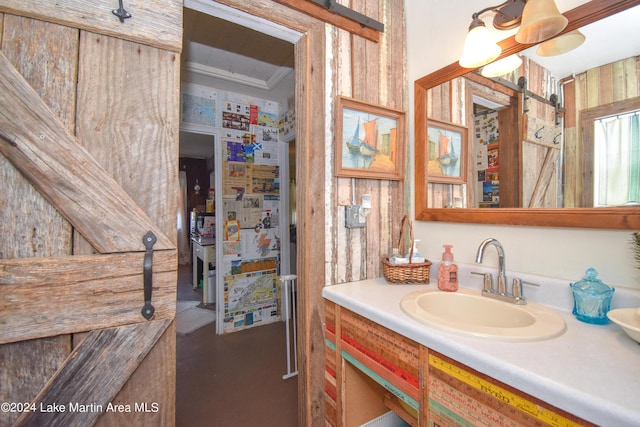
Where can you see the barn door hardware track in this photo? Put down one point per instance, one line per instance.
(149, 240)
(334, 7)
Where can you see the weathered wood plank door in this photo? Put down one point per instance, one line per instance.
(88, 165)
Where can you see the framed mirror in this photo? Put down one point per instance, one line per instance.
(514, 205)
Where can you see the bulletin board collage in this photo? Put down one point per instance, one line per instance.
(248, 132)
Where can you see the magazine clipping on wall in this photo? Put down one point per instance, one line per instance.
(251, 209)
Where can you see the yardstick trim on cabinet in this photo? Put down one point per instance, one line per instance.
(461, 395)
(383, 364)
(370, 359)
(330, 372)
(395, 353)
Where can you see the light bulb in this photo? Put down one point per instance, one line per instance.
(479, 46)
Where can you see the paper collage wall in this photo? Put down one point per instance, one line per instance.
(248, 133)
(487, 159)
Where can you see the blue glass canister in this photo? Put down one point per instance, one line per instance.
(591, 298)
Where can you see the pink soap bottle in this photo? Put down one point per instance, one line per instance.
(447, 271)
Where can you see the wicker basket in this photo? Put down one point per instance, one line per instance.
(406, 273)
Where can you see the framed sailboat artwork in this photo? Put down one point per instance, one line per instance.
(370, 140)
(447, 152)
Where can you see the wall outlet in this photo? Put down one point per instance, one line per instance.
(353, 219)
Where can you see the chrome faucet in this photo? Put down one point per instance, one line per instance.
(502, 275)
(516, 296)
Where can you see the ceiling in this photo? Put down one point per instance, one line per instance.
(230, 51)
(228, 56)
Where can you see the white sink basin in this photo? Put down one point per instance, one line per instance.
(467, 311)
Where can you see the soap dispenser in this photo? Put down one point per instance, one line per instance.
(447, 271)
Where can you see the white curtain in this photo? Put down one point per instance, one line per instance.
(184, 253)
(617, 160)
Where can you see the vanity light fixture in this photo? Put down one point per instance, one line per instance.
(479, 46)
(502, 66)
(541, 20)
(538, 20)
(562, 44)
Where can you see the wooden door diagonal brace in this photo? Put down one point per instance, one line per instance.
(544, 179)
(56, 164)
(92, 375)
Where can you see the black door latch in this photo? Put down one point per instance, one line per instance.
(149, 240)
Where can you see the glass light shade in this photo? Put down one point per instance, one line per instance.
(561, 44)
(541, 20)
(479, 48)
(502, 66)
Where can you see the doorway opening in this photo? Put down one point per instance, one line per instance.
(243, 67)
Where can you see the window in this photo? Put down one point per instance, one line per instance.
(616, 176)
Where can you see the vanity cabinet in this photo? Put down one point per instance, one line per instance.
(371, 369)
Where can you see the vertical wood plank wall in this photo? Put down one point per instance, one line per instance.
(599, 86)
(371, 72)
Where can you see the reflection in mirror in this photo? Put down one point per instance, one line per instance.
(515, 141)
(550, 168)
(530, 142)
(616, 166)
(611, 154)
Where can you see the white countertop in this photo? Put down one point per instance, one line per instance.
(591, 371)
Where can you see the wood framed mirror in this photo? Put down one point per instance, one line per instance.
(582, 217)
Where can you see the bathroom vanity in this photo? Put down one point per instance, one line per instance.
(379, 359)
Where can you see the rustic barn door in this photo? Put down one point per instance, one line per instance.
(88, 165)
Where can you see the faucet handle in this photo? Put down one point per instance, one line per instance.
(516, 288)
(487, 282)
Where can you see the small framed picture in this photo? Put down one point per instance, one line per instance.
(370, 141)
(447, 152)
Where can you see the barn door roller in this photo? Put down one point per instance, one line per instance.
(149, 240)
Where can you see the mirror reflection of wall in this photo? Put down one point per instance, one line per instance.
(606, 91)
(542, 158)
(584, 80)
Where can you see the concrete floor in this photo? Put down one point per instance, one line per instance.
(235, 379)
